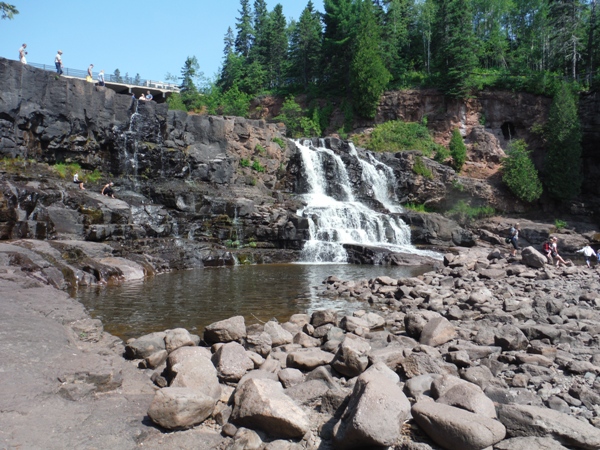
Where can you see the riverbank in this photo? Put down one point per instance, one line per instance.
(486, 342)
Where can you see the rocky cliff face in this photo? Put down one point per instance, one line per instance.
(207, 185)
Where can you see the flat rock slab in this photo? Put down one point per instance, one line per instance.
(38, 348)
(457, 429)
(523, 420)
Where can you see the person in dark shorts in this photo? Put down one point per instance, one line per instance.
(108, 191)
(76, 180)
(514, 238)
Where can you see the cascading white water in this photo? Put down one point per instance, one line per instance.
(336, 218)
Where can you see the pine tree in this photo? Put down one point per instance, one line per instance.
(395, 39)
(245, 33)
(117, 78)
(305, 46)
(456, 51)
(187, 88)
(233, 65)
(562, 166)
(369, 77)
(260, 47)
(278, 47)
(7, 11)
(519, 173)
(338, 41)
(458, 150)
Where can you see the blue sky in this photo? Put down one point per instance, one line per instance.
(148, 37)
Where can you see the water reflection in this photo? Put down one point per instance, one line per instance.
(193, 299)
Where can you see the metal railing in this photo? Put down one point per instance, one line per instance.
(111, 78)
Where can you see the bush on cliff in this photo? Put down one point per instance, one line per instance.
(519, 173)
(398, 136)
(296, 122)
(458, 150)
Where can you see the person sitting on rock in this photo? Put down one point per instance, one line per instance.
(588, 252)
(555, 255)
(76, 180)
(547, 247)
(108, 191)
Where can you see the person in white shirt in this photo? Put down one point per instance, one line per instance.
(22, 54)
(101, 78)
(58, 62)
(588, 252)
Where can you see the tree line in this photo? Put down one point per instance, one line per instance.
(356, 49)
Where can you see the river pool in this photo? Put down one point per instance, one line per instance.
(192, 299)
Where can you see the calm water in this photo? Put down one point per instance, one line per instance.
(192, 299)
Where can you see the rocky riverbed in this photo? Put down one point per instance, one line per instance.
(486, 351)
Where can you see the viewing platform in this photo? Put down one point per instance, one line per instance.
(160, 90)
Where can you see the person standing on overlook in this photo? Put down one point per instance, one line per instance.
(22, 54)
(101, 78)
(58, 62)
(90, 74)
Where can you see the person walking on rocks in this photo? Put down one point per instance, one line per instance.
(588, 252)
(514, 238)
(554, 252)
(58, 62)
(22, 54)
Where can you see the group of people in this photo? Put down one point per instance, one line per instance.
(106, 190)
(58, 63)
(550, 248)
(143, 97)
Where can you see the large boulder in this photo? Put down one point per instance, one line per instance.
(352, 358)
(457, 429)
(145, 346)
(532, 258)
(375, 413)
(191, 367)
(228, 330)
(178, 407)
(308, 358)
(262, 404)
(232, 362)
(279, 336)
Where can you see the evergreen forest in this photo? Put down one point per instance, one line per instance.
(357, 49)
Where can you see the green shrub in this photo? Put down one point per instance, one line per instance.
(260, 149)
(442, 154)
(244, 162)
(291, 113)
(458, 150)
(397, 136)
(456, 184)
(257, 166)
(235, 103)
(279, 141)
(416, 207)
(93, 177)
(464, 213)
(519, 173)
(560, 224)
(175, 102)
(67, 170)
(420, 168)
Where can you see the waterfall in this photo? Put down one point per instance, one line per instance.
(336, 217)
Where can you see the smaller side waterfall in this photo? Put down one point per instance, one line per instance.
(337, 218)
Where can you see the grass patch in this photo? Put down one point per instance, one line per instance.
(260, 149)
(417, 207)
(464, 213)
(93, 177)
(397, 136)
(257, 166)
(66, 170)
(420, 168)
(279, 141)
(244, 162)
